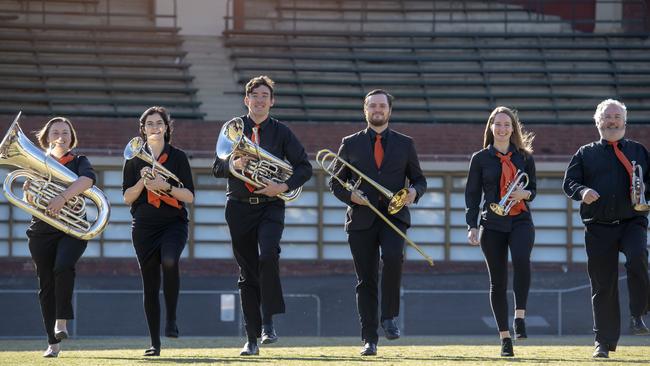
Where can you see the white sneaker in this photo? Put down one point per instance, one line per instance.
(52, 350)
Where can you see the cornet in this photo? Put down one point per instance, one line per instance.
(137, 148)
(637, 190)
(325, 155)
(503, 207)
(47, 178)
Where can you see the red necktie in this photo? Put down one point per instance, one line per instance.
(65, 159)
(379, 151)
(508, 171)
(255, 137)
(622, 158)
(154, 199)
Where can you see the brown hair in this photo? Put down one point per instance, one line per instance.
(165, 117)
(259, 81)
(42, 134)
(522, 139)
(389, 97)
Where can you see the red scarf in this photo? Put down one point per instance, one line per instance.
(508, 171)
(154, 199)
(65, 159)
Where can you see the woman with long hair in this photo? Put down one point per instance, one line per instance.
(507, 152)
(160, 219)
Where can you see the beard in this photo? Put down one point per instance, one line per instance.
(611, 134)
(377, 119)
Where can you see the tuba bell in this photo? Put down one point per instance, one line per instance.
(503, 207)
(637, 190)
(136, 148)
(263, 167)
(47, 179)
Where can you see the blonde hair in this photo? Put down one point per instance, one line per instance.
(522, 139)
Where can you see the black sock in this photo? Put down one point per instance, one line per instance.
(252, 340)
(267, 319)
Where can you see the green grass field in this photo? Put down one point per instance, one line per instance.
(439, 350)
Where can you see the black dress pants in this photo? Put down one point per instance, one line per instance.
(255, 231)
(55, 256)
(365, 246)
(603, 243)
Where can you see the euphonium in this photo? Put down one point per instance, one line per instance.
(503, 207)
(137, 148)
(262, 168)
(637, 191)
(48, 178)
(330, 161)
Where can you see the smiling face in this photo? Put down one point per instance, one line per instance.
(377, 110)
(59, 136)
(155, 128)
(259, 102)
(501, 128)
(611, 123)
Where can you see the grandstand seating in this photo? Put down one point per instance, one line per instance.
(78, 57)
(327, 55)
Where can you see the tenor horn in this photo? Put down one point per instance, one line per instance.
(136, 148)
(47, 179)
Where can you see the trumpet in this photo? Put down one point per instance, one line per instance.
(263, 167)
(503, 207)
(137, 148)
(637, 190)
(328, 160)
(48, 178)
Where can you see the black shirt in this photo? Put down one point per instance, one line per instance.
(484, 179)
(277, 139)
(81, 167)
(596, 166)
(143, 212)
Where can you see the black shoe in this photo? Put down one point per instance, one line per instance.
(637, 326)
(506, 348)
(369, 349)
(601, 351)
(519, 327)
(250, 349)
(268, 334)
(391, 331)
(171, 329)
(153, 351)
(61, 335)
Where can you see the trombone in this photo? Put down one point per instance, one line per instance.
(503, 207)
(328, 161)
(637, 191)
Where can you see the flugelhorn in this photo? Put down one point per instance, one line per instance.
(503, 207)
(47, 179)
(262, 168)
(329, 161)
(136, 148)
(637, 190)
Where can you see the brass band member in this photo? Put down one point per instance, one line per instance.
(256, 216)
(600, 175)
(54, 253)
(388, 158)
(507, 150)
(160, 221)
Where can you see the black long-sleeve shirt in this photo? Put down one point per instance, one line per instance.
(277, 139)
(81, 166)
(484, 179)
(596, 166)
(144, 213)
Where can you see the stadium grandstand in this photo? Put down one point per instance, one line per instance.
(101, 63)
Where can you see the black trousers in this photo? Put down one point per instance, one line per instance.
(603, 243)
(365, 246)
(256, 231)
(159, 246)
(495, 245)
(55, 256)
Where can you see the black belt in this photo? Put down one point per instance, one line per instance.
(253, 200)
